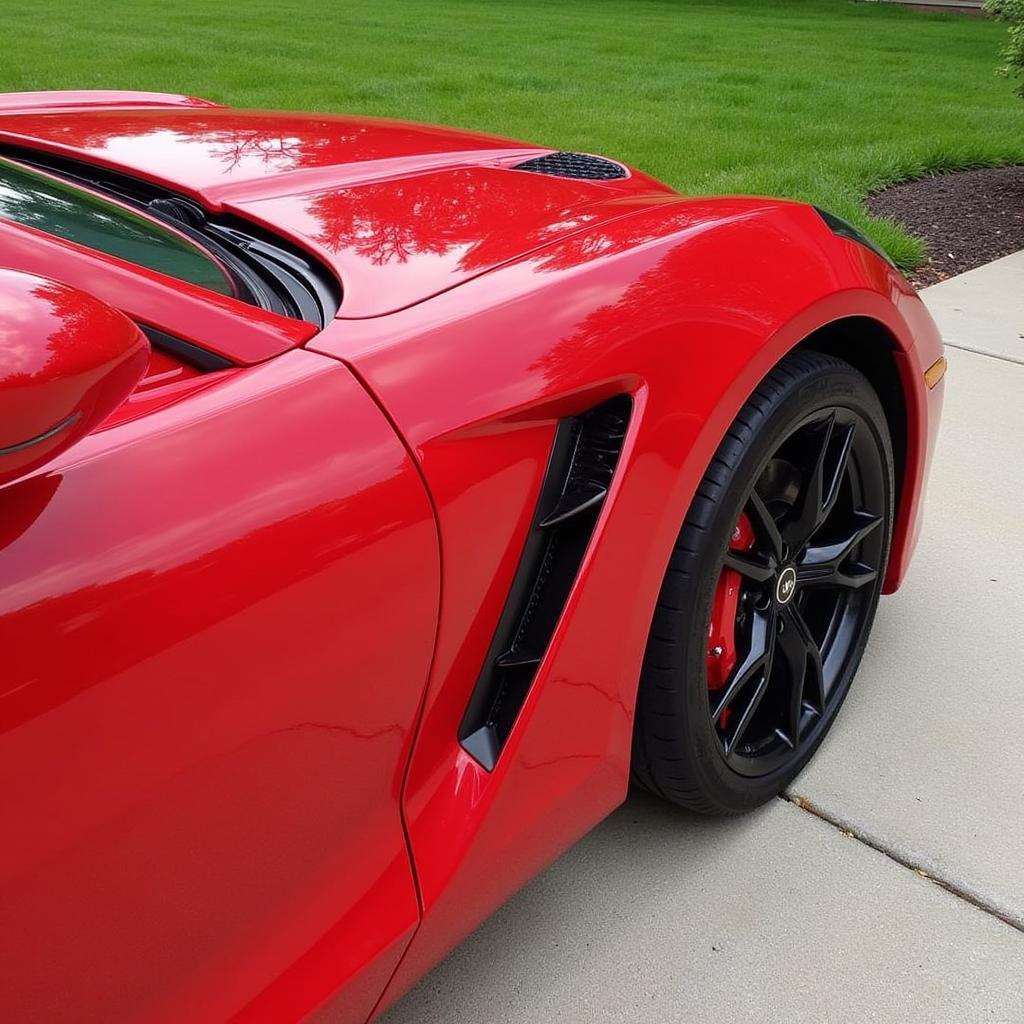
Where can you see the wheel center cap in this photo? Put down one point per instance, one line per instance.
(785, 585)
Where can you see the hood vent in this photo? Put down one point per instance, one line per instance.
(574, 165)
(583, 458)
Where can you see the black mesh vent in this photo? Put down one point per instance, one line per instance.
(573, 165)
(583, 459)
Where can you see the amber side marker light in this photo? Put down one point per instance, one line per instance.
(935, 372)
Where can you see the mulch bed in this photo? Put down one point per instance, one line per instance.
(968, 218)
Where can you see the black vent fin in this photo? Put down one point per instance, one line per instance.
(574, 165)
(519, 659)
(482, 746)
(574, 503)
(583, 458)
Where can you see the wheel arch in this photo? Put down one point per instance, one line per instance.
(891, 340)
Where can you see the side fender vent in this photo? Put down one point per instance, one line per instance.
(574, 165)
(583, 458)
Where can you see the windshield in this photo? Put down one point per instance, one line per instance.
(58, 208)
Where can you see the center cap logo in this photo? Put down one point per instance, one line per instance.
(786, 585)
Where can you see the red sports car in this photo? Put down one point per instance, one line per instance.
(376, 501)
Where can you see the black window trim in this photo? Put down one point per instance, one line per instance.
(186, 351)
(270, 273)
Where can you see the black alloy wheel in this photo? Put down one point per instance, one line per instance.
(817, 512)
(770, 593)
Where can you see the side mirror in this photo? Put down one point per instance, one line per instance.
(67, 360)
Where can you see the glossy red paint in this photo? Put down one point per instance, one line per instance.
(211, 152)
(67, 361)
(199, 606)
(167, 380)
(397, 241)
(272, 587)
(81, 99)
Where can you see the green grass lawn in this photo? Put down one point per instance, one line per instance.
(822, 100)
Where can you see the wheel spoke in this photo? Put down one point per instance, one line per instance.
(822, 564)
(807, 673)
(842, 439)
(764, 524)
(854, 576)
(756, 668)
(753, 664)
(823, 480)
(748, 714)
(752, 568)
(810, 502)
(793, 651)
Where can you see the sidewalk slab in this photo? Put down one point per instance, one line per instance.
(983, 310)
(927, 756)
(663, 917)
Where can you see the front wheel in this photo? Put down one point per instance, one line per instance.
(770, 592)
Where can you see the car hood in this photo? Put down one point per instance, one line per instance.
(399, 211)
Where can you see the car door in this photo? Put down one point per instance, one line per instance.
(216, 616)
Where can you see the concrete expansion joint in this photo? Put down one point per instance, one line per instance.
(982, 352)
(948, 884)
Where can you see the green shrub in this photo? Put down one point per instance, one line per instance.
(1012, 12)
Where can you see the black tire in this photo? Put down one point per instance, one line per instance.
(682, 748)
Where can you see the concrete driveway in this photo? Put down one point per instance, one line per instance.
(890, 885)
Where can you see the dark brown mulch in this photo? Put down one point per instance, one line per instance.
(968, 218)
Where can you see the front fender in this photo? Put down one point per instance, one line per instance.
(684, 304)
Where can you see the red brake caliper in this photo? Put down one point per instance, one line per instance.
(721, 657)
